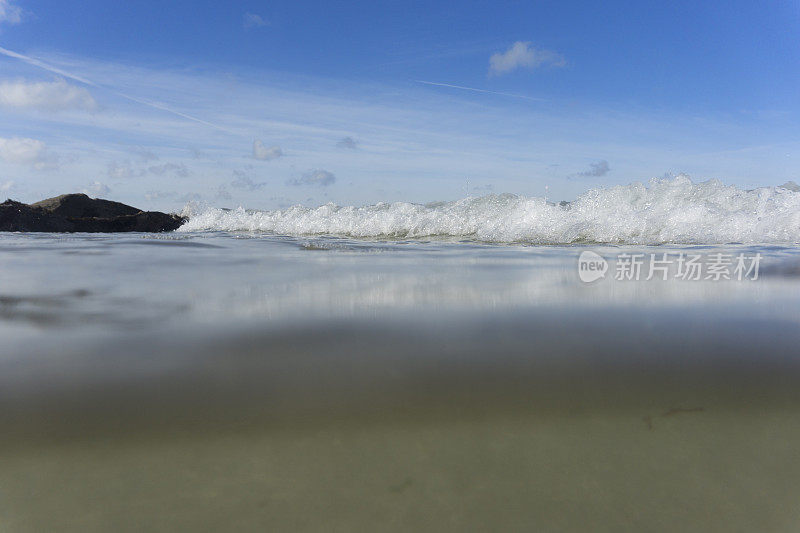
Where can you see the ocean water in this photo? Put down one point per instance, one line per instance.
(410, 367)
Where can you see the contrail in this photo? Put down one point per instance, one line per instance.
(481, 90)
(35, 62)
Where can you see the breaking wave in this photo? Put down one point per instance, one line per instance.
(667, 210)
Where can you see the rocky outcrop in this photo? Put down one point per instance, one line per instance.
(79, 213)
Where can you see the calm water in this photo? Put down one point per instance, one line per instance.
(94, 284)
(237, 381)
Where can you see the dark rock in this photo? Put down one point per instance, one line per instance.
(81, 206)
(79, 213)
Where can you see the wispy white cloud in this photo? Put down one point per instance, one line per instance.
(348, 143)
(172, 195)
(6, 186)
(45, 96)
(262, 153)
(223, 193)
(243, 181)
(144, 154)
(522, 55)
(253, 20)
(178, 169)
(473, 89)
(97, 189)
(596, 169)
(317, 177)
(29, 152)
(159, 195)
(123, 170)
(10, 13)
(41, 64)
(423, 145)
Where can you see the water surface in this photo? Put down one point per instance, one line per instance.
(231, 380)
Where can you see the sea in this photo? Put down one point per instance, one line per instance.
(627, 361)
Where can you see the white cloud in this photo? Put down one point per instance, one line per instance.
(318, 177)
(179, 169)
(522, 55)
(145, 155)
(347, 142)
(31, 152)
(155, 105)
(252, 20)
(600, 168)
(123, 170)
(6, 186)
(45, 96)
(425, 147)
(158, 195)
(262, 153)
(243, 181)
(97, 189)
(189, 197)
(10, 13)
(173, 196)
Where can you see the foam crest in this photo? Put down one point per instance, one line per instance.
(666, 210)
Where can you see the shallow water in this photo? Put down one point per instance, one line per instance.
(242, 381)
(93, 283)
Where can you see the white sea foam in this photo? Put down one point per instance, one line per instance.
(667, 210)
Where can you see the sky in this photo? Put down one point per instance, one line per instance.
(271, 104)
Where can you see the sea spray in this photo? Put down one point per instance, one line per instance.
(666, 210)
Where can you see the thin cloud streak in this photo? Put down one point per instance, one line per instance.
(35, 62)
(420, 152)
(533, 98)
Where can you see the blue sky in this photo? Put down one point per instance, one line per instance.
(267, 104)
